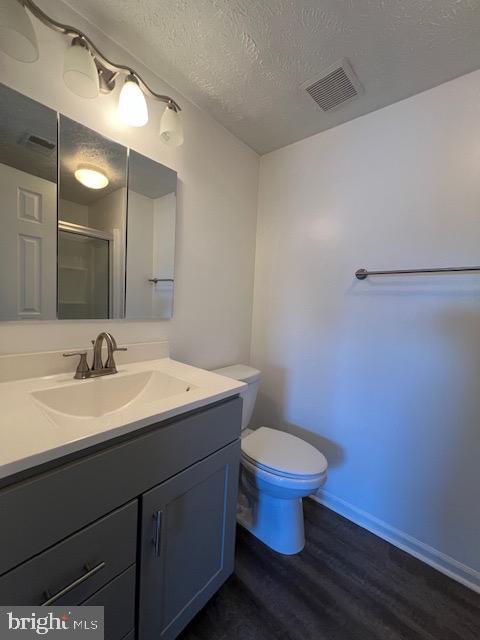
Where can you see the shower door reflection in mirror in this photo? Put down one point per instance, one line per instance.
(28, 214)
(91, 224)
(152, 190)
(83, 274)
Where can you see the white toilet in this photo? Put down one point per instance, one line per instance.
(277, 471)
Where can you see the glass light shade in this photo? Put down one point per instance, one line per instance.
(17, 37)
(132, 106)
(80, 72)
(91, 177)
(171, 130)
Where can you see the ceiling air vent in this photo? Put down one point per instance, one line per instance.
(37, 144)
(337, 85)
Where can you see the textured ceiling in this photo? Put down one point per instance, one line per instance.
(150, 178)
(81, 145)
(20, 118)
(244, 60)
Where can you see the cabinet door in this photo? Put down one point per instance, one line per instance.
(188, 542)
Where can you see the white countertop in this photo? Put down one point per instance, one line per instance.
(30, 437)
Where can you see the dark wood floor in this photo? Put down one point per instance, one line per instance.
(347, 584)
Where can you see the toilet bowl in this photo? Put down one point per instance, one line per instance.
(277, 471)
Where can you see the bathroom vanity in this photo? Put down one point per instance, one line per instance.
(117, 490)
(140, 520)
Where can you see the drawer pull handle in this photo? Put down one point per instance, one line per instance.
(158, 530)
(89, 573)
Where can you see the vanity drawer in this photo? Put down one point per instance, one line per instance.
(118, 598)
(79, 565)
(37, 513)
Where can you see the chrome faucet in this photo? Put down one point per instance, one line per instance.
(98, 368)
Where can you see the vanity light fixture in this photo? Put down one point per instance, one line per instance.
(91, 177)
(132, 106)
(87, 71)
(80, 71)
(17, 37)
(171, 131)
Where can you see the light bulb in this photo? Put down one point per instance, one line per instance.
(132, 106)
(91, 177)
(80, 71)
(171, 130)
(17, 36)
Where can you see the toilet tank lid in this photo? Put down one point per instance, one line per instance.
(240, 372)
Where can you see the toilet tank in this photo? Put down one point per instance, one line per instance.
(251, 376)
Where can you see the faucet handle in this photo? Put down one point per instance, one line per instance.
(82, 368)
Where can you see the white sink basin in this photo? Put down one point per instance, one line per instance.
(49, 416)
(100, 396)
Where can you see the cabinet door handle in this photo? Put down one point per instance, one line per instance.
(89, 573)
(158, 529)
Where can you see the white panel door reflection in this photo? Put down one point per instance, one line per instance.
(27, 246)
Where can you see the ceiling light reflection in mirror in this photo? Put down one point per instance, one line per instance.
(91, 177)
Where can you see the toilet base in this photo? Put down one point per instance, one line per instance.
(277, 522)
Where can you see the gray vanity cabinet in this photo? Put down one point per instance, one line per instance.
(118, 600)
(187, 543)
(143, 525)
(77, 566)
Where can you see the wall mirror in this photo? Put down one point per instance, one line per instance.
(152, 204)
(28, 218)
(101, 243)
(92, 212)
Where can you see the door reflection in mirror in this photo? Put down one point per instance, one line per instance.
(83, 274)
(28, 218)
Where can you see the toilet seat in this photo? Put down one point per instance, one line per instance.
(282, 454)
(304, 484)
(254, 465)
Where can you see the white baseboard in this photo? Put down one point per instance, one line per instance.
(436, 559)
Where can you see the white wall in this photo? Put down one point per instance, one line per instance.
(73, 212)
(216, 212)
(163, 262)
(108, 212)
(140, 255)
(383, 375)
(164, 235)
